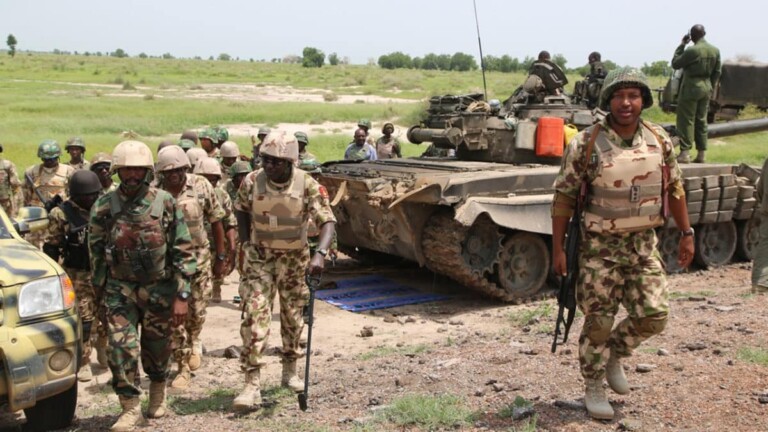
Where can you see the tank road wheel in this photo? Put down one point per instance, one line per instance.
(480, 248)
(748, 235)
(715, 244)
(669, 245)
(524, 264)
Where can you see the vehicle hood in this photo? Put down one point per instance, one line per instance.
(20, 262)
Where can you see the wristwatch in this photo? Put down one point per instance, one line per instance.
(221, 257)
(183, 295)
(687, 233)
(323, 252)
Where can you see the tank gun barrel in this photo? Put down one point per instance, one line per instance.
(447, 138)
(736, 127)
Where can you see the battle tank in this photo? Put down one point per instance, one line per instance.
(482, 217)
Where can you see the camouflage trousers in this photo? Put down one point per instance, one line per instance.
(188, 333)
(130, 304)
(268, 272)
(637, 282)
(760, 264)
(88, 301)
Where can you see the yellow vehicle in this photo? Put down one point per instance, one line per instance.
(40, 328)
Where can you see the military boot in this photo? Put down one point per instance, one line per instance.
(196, 359)
(614, 373)
(85, 374)
(130, 418)
(183, 377)
(595, 400)
(700, 156)
(216, 296)
(250, 397)
(684, 157)
(156, 399)
(290, 379)
(757, 289)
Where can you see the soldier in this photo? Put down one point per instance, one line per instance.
(256, 141)
(623, 159)
(142, 260)
(208, 140)
(101, 164)
(273, 207)
(67, 239)
(195, 155)
(222, 136)
(11, 194)
(545, 78)
(307, 161)
(359, 149)
(760, 265)
(230, 152)
(191, 136)
(237, 173)
(701, 72)
(388, 147)
(76, 149)
(186, 144)
(197, 201)
(211, 170)
(165, 143)
(44, 182)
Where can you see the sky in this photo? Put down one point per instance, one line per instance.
(627, 33)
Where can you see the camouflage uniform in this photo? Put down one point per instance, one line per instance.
(307, 161)
(49, 182)
(760, 265)
(111, 188)
(83, 165)
(138, 290)
(269, 270)
(11, 195)
(230, 222)
(617, 268)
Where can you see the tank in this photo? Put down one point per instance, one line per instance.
(482, 216)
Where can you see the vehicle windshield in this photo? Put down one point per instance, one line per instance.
(5, 232)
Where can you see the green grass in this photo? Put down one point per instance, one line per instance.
(758, 356)
(386, 351)
(521, 317)
(685, 294)
(431, 412)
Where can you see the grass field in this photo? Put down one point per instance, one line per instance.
(98, 98)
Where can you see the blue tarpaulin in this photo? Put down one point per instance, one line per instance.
(373, 292)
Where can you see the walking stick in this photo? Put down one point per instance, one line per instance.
(312, 282)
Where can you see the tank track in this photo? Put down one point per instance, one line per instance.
(441, 243)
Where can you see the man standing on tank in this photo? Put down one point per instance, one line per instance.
(142, 260)
(633, 183)
(701, 72)
(273, 209)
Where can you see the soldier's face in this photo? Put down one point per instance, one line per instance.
(75, 153)
(85, 201)
(302, 146)
(237, 180)
(102, 170)
(206, 144)
(51, 163)
(174, 177)
(213, 179)
(626, 105)
(228, 161)
(131, 177)
(276, 169)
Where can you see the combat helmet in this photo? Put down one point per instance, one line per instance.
(171, 158)
(210, 134)
(84, 182)
(208, 166)
(280, 145)
(48, 149)
(222, 134)
(186, 144)
(165, 143)
(364, 123)
(301, 137)
(75, 142)
(622, 78)
(240, 167)
(190, 135)
(230, 149)
(100, 158)
(195, 155)
(263, 131)
(132, 154)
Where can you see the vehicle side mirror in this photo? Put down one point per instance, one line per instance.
(30, 219)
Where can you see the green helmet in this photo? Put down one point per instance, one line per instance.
(186, 144)
(364, 123)
(301, 137)
(622, 78)
(211, 134)
(75, 142)
(240, 167)
(48, 149)
(222, 133)
(84, 182)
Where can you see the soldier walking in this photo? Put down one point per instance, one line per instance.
(273, 208)
(633, 182)
(142, 260)
(198, 202)
(11, 194)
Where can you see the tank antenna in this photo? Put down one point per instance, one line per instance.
(480, 44)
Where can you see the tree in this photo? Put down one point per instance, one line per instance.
(225, 57)
(657, 68)
(312, 57)
(526, 63)
(559, 60)
(463, 62)
(119, 53)
(395, 60)
(333, 59)
(11, 42)
(143, 55)
(167, 56)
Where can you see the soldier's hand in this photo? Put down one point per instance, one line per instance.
(180, 308)
(559, 263)
(218, 267)
(316, 265)
(685, 253)
(686, 38)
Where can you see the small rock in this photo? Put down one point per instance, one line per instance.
(526, 329)
(367, 331)
(746, 331)
(570, 404)
(439, 320)
(433, 377)
(479, 392)
(763, 399)
(533, 321)
(729, 363)
(519, 413)
(232, 352)
(531, 351)
(374, 401)
(344, 420)
(337, 355)
(486, 315)
(695, 346)
(724, 308)
(491, 381)
(390, 319)
(644, 367)
(678, 367)
(442, 330)
(497, 387)
(455, 322)
(719, 351)
(662, 352)
(628, 424)
(696, 298)
(410, 319)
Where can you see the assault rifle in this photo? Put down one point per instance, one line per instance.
(47, 204)
(312, 282)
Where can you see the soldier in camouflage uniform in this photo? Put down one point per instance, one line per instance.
(191, 136)
(142, 260)
(208, 140)
(273, 207)
(67, 239)
(359, 149)
(256, 141)
(630, 167)
(76, 149)
(186, 144)
(307, 161)
(43, 182)
(199, 204)
(760, 265)
(211, 170)
(237, 173)
(230, 153)
(11, 194)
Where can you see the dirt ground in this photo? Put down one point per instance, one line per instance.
(486, 354)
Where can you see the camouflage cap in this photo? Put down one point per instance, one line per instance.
(210, 133)
(622, 78)
(48, 149)
(263, 131)
(75, 142)
(364, 123)
(240, 167)
(301, 137)
(280, 145)
(101, 157)
(186, 144)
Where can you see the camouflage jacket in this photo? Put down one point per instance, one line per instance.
(84, 165)
(11, 194)
(180, 255)
(60, 236)
(229, 221)
(307, 161)
(48, 181)
(108, 189)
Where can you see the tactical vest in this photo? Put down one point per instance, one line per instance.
(76, 254)
(55, 183)
(5, 180)
(278, 219)
(191, 204)
(626, 194)
(384, 149)
(136, 250)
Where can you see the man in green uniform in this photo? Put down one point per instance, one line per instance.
(273, 208)
(76, 149)
(142, 260)
(11, 194)
(307, 161)
(760, 264)
(701, 72)
(633, 182)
